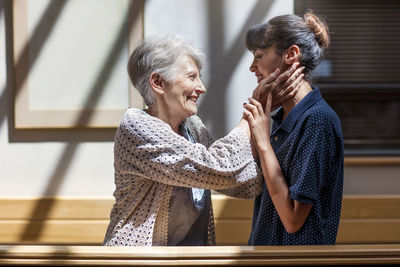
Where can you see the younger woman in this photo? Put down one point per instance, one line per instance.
(302, 157)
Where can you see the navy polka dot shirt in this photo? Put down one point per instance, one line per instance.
(309, 148)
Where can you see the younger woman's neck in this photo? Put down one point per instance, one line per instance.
(288, 105)
(161, 111)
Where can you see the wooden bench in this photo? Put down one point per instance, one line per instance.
(366, 219)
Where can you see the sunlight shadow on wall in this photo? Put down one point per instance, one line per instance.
(56, 178)
(223, 62)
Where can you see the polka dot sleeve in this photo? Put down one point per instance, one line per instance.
(312, 162)
(147, 147)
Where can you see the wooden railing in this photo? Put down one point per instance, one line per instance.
(372, 161)
(200, 256)
(69, 231)
(365, 219)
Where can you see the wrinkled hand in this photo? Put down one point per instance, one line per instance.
(283, 86)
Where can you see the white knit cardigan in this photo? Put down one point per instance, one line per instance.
(150, 158)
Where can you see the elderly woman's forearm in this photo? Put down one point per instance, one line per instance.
(244, 125)
(168, 158)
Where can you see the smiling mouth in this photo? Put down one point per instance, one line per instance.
(193, 98)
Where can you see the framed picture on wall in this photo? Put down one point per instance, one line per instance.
(70, 60)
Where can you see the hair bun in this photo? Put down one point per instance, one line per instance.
(319, 28)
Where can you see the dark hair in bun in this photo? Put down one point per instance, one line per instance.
(310, 34)
(319, 27)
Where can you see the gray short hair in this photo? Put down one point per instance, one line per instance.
(159, 55)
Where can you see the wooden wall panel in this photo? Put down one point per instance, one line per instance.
(366, 219)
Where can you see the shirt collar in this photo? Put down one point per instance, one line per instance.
(288, 124)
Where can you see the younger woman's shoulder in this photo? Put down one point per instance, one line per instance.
(322, 113)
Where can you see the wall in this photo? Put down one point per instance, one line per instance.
(44, 161)
(219, 29)
(80, 162)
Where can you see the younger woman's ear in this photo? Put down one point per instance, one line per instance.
(292, 54)
(157, 83)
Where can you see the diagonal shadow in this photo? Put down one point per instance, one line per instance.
(223, 63)
(43, 207)
(3, 104)
(4, 95)
(39, 37)
(1, 8)
(215, 119)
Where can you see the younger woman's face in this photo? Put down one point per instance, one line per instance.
(266, 61)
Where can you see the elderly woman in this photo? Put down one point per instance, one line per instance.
(302, 160)
(166, 161)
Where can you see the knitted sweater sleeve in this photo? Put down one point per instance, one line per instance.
(147, 147)
(248, 189)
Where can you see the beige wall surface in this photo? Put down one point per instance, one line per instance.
(38, 162)
(79, 162)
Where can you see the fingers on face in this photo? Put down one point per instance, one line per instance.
(280, 83)
(271, 77)
(268, 104)
(291, 84)
(255, 94)
(296, 82)
(260, 89)
(294, 76)
(282, 97)
(291, 70)
(284, 84)
(276, 87)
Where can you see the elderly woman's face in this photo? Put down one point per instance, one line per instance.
(184, 90)
(265, 62)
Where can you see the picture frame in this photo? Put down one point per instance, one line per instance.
(69, 71)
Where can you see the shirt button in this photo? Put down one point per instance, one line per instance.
(276, 138)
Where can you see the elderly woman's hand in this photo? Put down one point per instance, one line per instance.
(283, 86)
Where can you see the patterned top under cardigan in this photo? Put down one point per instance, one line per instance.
(150, 158)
